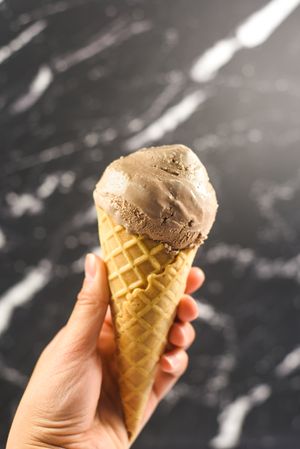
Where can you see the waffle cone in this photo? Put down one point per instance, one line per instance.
(146, 283)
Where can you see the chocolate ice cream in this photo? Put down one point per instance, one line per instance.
(161, 192)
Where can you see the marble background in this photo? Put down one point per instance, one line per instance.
(84, 81)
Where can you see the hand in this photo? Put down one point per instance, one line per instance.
(72, 399)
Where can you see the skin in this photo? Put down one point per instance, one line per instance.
(72, 399)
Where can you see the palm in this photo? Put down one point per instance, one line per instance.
(109, 419)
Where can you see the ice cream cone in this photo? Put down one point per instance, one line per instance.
(155, 207)
(146, 283)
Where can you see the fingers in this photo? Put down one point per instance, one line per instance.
(89, 312)
(187, 309)
(182, 335)
(195, 279)
(173, 363)
(171, 367)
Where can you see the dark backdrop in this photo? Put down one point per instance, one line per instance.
(85, 81)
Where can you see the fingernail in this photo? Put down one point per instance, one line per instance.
(171, 363)
(90, 267)
(201, 272)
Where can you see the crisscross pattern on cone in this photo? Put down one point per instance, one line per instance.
(146, 283)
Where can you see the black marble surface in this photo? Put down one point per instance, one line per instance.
(84, 81)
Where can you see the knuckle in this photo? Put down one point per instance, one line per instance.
(86, 298)
(73, 349)
(46, 353)
(53, 345)
(82, 296)
(189, 334)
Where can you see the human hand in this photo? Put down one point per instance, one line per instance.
(72, 399)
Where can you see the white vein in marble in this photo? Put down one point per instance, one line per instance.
(23, 292)
(267, 196)
(48, 10)
(208, 65)
(222, 251)
(37, 88)
(179, 391)
(289, 364)
(208, 314)
(88, 216)
(44, 156)
(119, 32)
(174, 85)
(278, 268)
(12, 375)
(48, 186)
(253, 32)
(266, 193)
(233, 416)
(169, 121)
(52, 182)
(33, 203)
(262, 24)
(220, 377)
(225, 363)
(25, 203)
(263, 268)
(22, 40)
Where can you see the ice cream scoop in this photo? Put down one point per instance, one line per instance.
(163, 193)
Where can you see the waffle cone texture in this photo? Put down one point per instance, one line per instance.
(146, 284)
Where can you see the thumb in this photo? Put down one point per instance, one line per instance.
(86, 320)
